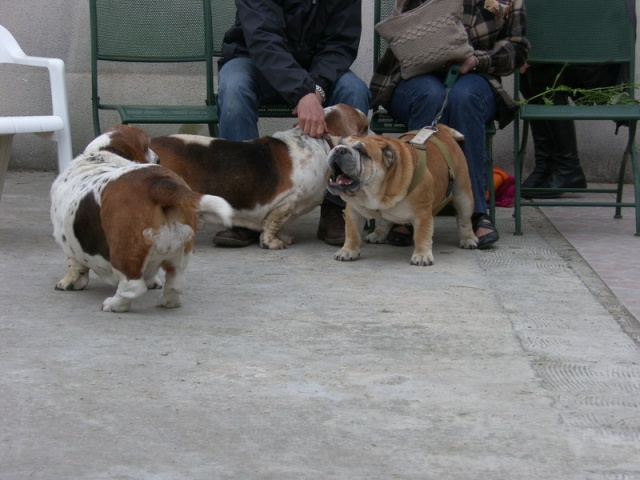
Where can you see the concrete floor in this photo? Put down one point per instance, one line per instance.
(514, 363)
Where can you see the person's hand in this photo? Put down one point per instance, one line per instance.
(311, 115)
(469, 64)
(524, 68)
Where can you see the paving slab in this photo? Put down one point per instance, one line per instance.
(516, 362)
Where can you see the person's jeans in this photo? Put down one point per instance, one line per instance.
(242, 89)
(471, 104)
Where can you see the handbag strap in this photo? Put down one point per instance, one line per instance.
(449, 80)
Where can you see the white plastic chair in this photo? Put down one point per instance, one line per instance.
(54, 127)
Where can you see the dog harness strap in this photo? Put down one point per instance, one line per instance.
(421, 168)
(447, 158)
(327, 138)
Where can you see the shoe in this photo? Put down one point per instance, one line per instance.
(536, 178)
(331, 225)
(564, 178)
(482, 220)
(565, 167)
(400, 239)
(236, 237)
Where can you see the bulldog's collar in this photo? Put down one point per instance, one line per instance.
(327, 138)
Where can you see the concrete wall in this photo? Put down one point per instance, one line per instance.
(60, 28)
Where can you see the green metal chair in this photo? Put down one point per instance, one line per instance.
(579, 32)
(152, 32)
(224, 14)
(382, 122)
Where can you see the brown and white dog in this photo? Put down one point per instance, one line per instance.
(269, 181)
(116, 212)
(384, 178)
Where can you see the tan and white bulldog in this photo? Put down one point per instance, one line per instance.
(386, 179)
(269, 181)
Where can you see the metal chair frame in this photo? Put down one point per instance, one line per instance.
(579, 32)
(152, 32)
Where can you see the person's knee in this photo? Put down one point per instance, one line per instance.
(350, 89)
(474, 93)
(463, 97)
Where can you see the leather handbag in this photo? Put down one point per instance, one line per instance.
(427, 37)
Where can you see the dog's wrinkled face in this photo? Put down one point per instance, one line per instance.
(358, 164)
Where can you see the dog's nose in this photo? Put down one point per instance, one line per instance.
(340, 150)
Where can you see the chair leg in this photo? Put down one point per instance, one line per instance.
(636, 186)
(5, 148)
(519, 150)
(492, 191)
(630, 152)
(633, 153)
(65, 152)
(620, 186)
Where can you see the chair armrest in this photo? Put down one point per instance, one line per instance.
(32, 124)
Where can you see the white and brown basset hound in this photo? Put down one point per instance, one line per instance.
(118, 213)
(269, 181)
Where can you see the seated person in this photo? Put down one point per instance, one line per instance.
(295, 52)
(497, 36)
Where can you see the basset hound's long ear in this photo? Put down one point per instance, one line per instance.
(130, 142)
(344, 120)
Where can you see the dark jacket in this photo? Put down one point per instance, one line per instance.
(296, 44)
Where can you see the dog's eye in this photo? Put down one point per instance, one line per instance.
(359, 147)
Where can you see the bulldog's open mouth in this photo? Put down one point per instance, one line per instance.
(342, 182)
(343, 162)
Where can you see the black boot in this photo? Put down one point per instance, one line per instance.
(543, 148)
(566, 170)
(331, 225)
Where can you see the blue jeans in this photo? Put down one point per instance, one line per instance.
(242, 89)
(471, 104)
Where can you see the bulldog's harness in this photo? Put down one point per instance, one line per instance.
(421, 137)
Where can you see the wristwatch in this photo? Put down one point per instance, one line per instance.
(320, 90)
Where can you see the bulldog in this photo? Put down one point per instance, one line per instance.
(397, 182)
(116, 212)
(269, 181)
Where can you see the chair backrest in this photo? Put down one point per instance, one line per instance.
(382, 9)
(223, 13)
(9, 48)
(156, 31)
(580, 31)
(151, 30)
